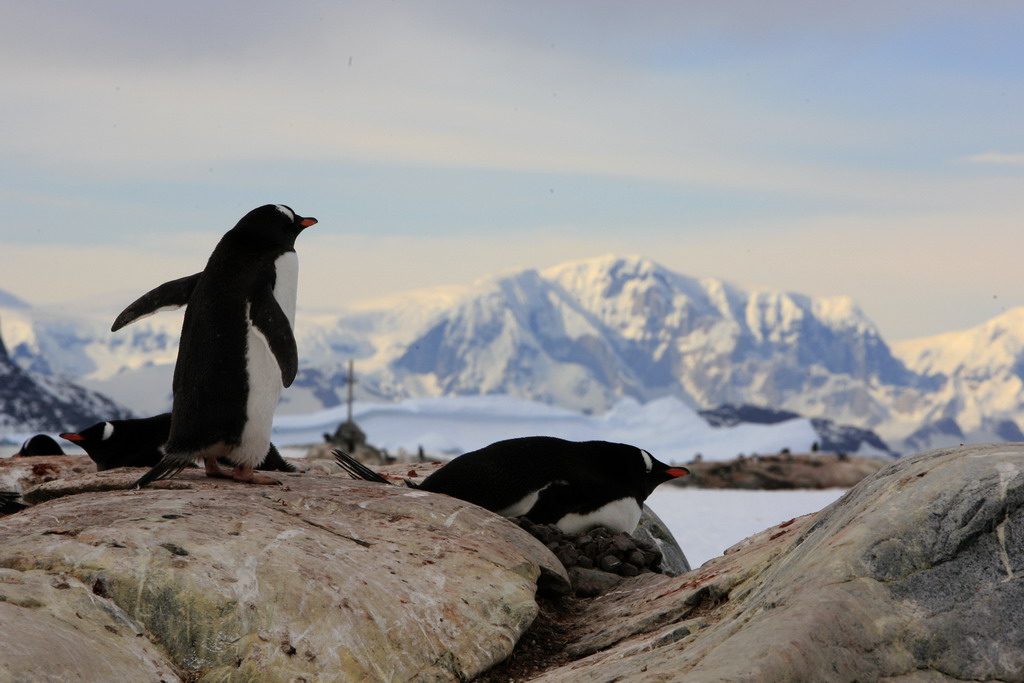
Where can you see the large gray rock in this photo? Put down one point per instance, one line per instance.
(323, 578)
(917, 574)
(54, 628)
(654, 531)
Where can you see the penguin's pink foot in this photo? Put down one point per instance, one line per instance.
(246, 474)
(214, 470)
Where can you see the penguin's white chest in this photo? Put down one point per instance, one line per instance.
(287, 285)
(263, 371)
(620, 515)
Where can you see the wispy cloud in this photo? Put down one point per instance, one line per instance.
(997, 158)
(442, 141)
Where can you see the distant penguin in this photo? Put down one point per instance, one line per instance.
(574, 485)
(237, 346)
(40, 444)
(137, 443)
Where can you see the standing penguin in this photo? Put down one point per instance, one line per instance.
(575, 485)
(237, 346)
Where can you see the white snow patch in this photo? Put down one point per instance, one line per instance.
(705, 522)
(667, 428)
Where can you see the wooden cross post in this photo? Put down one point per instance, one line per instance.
(351, 381)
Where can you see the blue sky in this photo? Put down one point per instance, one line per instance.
(873, 149)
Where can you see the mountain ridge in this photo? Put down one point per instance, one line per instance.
(586, 334)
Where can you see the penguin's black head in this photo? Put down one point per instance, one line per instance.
(657, 472)
(90, 436)
(272, 226)
(94, 440)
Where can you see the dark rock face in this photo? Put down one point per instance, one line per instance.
(832, 437)
(729, 415)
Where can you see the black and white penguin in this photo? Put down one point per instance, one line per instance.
(40, 444)
(138, 443)
(237, 348)
(9, 503)
(574, 485)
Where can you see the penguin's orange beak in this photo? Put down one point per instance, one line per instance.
(72, 436)
(306, 222)
(677, 471)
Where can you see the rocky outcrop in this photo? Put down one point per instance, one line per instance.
(782, 471)
(917, 574)
(320, 579)
(19, 474)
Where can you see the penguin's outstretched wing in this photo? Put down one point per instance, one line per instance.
(273, 324)
(166, 297)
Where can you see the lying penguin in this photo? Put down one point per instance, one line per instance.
(9, 503)
(574, 485)
(40, 444)
(137, 443)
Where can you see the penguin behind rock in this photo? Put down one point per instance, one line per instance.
(40, 444)
(138, 443)
(574, 485)
(237, 348)
(9, 503)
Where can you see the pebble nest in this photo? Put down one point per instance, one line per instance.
(599, 548)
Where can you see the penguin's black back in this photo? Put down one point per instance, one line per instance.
(211, 381)
(580, 476)
(40, 444)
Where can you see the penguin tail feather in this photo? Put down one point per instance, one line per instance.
(274, 462)
(169, 466)
(356, 469)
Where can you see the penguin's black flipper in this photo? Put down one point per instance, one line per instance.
(270, 320)
(169, 466)
(274, 462)
(9, 503)
(168, 296)
(555, 502)
(356, 469)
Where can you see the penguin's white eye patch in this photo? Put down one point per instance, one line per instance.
(108, 431)
(286, 211)
(648, 462)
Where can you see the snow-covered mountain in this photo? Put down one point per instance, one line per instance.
(977, 377)
(30, 402)
(584, 336)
